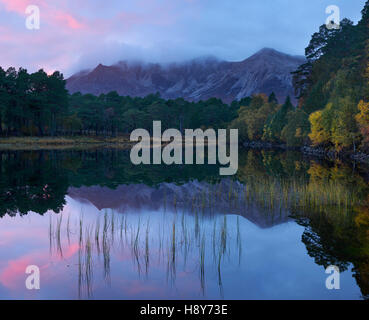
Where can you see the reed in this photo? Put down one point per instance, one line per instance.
(97, 234)
(147, 253)
(58, 235)
(88, 262)
(202, 264)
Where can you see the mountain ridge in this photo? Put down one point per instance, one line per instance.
(202, 78)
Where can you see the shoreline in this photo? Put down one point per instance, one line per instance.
(123, 142)
(64, 142)
(311, 151)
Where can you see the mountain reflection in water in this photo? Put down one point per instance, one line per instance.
(99, 227)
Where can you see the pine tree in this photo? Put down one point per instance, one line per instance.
(365, 15)
(272, 98)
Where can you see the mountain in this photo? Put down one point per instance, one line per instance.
(264, 72)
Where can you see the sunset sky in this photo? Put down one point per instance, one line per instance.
(79, 34)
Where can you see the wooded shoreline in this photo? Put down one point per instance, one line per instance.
(123, 142)
(318, 152)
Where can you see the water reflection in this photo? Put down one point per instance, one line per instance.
(107, 229)
(172, 241)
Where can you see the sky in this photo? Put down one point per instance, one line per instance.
(79, 34)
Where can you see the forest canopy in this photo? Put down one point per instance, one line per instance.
(38, 104)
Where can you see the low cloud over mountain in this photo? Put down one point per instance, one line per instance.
(266, 71)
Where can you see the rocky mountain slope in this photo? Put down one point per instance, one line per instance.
(266, 71)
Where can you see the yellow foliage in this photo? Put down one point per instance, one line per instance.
(363, 117)
(318, 134)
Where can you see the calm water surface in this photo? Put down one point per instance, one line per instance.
(101, 228)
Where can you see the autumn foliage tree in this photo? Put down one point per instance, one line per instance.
(319, 135)
(253, 117)
(333, 82)
(362, 119)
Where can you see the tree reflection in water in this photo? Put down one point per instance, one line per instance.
(330, 199)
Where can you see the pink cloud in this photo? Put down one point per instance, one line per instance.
(67, 19)
(18, 6)
(70, 39)
(49, 13)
